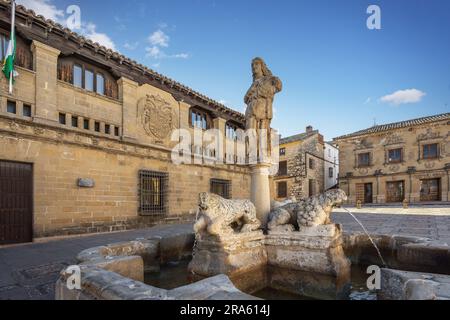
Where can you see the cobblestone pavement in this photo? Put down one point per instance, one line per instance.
(29, 272)
(429, 221)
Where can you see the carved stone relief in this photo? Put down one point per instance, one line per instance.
(363, 144)
(393, 139)
(428, 135)
(157, 116)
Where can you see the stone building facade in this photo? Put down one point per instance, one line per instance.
(390, 163)
(86, 139)
(301, 168)
(331, 165)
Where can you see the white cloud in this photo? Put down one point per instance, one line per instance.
(131, 46)
(47, 9)
(155, 52)
(160, 41)
(44, 8)
(368, 100)
(180, 56)
(159, 38)
(90, 32)
(224, 102)
(404, 97)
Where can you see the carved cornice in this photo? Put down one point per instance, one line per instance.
(19, 128)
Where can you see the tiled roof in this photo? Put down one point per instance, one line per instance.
(54, 27)
(397, 125)
(298, 137)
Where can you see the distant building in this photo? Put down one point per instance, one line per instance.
(331, 165)
(397, 161)
(301, 170)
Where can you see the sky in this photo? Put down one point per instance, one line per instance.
(338, 75)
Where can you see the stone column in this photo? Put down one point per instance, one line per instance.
(219, 124)
(260, 190)
(128, 93)
(45, 61)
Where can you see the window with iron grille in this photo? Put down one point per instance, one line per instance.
(282, 189)
(283, 169)
(153, 187)
(221, 188)
(312, 164)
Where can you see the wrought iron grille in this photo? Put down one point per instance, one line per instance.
(221, 188)
(153, 187)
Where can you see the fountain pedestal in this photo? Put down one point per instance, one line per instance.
(260, 190)
(309, 262)
(242, 257)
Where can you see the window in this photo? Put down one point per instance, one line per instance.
(116, 131)
(4, 42)
(431, 151)
(26, 110)
(199, 119)
(282, 151)
(92, 78)
(282, 189)
(153, 188)
(100, 87)
(395, 156)
(283, 170)
(221, 188)
(97, 126)
(311, 164)
(89, 80)
(74, 122)
(86, 124)
(231, 131)
(62, 118)
(364, 159)
(311, 188)
(11, 107)
(330, 172)
(107, 129)
(77, 76)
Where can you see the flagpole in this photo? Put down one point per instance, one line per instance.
(13, 23)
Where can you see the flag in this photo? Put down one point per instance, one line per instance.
(8, 64)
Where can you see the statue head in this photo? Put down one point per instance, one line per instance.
(260, 69)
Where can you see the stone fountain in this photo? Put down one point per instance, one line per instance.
(242, 247)
(300, 238)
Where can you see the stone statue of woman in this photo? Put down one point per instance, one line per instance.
(259, 100)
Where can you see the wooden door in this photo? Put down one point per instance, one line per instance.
(395, 191)
(430, 190)
(16, 202)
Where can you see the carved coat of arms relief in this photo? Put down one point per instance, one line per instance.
(157, 116)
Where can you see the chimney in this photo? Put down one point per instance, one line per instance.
(309, 129)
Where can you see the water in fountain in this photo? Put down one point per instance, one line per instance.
(194, 248)
(367, 233)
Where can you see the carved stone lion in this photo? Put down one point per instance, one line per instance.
(219, 216)
(312, 212)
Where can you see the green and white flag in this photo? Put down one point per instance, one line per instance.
(8, 63)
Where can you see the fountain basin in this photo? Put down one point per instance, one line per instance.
(118, 272)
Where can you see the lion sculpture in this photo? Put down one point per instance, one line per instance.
(219, 216)
(312, 212)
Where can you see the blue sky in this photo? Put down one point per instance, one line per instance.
(338, 75)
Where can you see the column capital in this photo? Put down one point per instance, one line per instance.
(36, 45)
